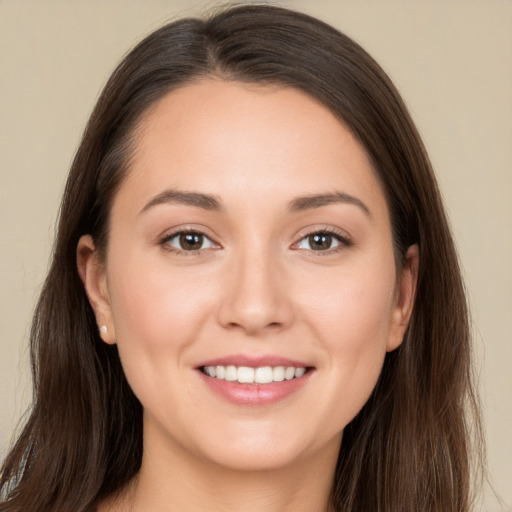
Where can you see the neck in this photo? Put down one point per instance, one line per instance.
(172, 480)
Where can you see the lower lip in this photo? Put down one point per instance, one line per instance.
(254, 394)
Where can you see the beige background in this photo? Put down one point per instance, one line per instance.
(452, 61)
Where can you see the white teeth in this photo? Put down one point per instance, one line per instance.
(299, 372)
(245, 375)
(263, 375)
(221, 372)
(260, 375)
(289, 373)
(278, 374)
(231, 373)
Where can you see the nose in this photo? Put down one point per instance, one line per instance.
(256, 298)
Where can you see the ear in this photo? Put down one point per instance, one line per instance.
(404, 298)
(93, 275)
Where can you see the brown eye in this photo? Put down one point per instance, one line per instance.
(320, 241)
(188, 241)
(323, 241)
(191, 241)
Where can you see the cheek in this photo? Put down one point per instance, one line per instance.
(351, 318)
(158, 316)
(156, 310)
(353, 308)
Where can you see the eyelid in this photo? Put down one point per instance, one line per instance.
(342, 236)
(176, 231)
(344, 239)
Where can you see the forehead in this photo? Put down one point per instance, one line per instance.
(244, 140)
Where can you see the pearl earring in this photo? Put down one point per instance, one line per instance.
(103, 329)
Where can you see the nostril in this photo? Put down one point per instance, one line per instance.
(255, 326)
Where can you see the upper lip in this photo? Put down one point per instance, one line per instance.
(253, 361)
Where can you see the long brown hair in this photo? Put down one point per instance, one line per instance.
(409, 447)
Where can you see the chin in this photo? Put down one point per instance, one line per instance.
(271, 452)
(255, 460)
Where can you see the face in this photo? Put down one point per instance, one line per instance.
(249, 279)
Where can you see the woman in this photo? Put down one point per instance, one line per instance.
(254, 301)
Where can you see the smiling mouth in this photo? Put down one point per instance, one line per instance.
(259, 375)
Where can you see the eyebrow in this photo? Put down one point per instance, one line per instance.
(302, 203)
(213, 203)
(171, 196)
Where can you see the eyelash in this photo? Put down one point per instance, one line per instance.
(182, 252)
(343, 241)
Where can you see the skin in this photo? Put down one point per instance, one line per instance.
(257, 289)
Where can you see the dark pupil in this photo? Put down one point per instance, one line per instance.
(318, 242)
(191, 241)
